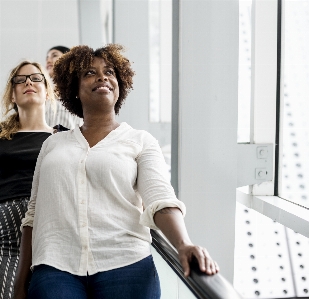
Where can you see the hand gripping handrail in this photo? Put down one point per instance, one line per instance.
(202, 286)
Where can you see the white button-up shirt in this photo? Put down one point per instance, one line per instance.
(91, 208)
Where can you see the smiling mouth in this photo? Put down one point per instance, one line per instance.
(102, 88)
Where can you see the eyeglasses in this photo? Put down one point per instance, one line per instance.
(38, 77)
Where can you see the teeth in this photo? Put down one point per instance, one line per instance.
(103, 87)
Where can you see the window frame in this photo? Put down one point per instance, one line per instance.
(266, 123)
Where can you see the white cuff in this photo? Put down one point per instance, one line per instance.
(146, 218)
(27, 221)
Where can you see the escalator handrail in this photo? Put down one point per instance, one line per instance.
(201, 285)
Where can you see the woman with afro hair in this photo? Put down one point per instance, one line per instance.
(97, 191)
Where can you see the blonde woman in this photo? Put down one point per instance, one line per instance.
(21, 136)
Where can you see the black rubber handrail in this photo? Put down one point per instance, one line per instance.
(200, 284)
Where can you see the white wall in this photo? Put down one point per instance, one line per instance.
(131, 30)
(208, 85)
(29, 28)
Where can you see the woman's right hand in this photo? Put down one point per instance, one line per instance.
(23, 273)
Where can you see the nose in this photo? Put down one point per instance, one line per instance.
(102, 77)
(28, 81)
(48, 60)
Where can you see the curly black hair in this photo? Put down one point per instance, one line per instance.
(68, 68)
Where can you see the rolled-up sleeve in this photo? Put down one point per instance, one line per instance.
(28, 219)
(153, 184)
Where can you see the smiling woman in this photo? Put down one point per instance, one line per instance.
(97, 191)
(105, 92)
(70, 68)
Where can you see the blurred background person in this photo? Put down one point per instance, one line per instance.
(59, 115)
(22, 133)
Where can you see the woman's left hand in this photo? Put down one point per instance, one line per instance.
(171, 223)
(206, 263)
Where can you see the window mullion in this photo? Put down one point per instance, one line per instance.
(264, 78)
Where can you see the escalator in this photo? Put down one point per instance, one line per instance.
(175, 285)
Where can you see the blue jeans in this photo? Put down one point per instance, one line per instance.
(137, 281)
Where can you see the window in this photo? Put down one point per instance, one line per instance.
(160, 45)
(269, 252)
(295, 102)
(244, 73)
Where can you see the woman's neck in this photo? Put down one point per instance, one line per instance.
(33, 120)
(95, 129)
(100, 122)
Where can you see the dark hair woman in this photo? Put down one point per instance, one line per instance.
(59, 115)
(97, 190)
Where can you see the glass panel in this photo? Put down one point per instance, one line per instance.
(160, 41)
(263, 263)
(295, 118)
(244, 73)
(154, 57)
(107, 20)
